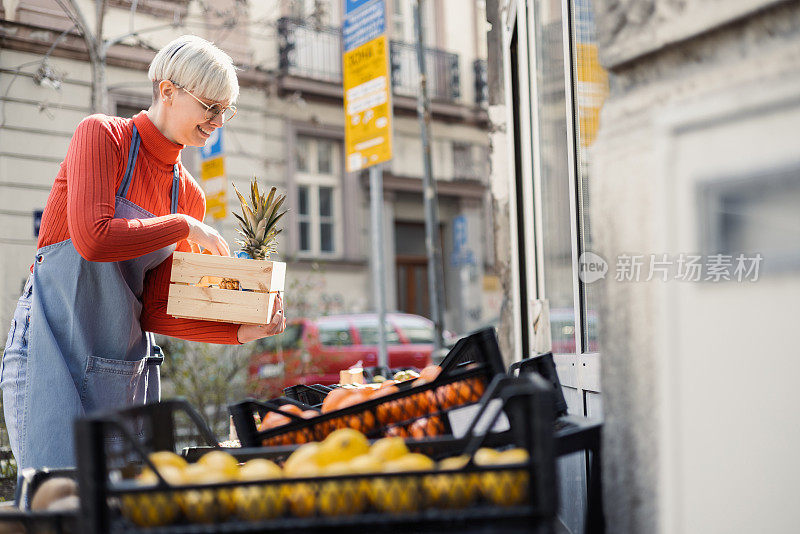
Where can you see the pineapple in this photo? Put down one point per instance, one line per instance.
(257, 225)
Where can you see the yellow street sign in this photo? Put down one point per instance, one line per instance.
(212, 179)
(367, 104)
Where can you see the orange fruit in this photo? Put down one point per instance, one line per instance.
(290, 408)
(426, 427)
(356, 397)
(308, 414)
(430, 373)
(387, 383)
(271, 420)
(333, 399)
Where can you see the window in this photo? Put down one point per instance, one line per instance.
(403, 28)
(554, 173)
(288, 339)
(368, 332)
(416, 330)
(319, 215)
(335, 334)
(590, 88)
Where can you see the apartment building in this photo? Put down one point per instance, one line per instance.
(289, 132)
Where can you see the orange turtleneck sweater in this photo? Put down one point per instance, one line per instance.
(81, 207)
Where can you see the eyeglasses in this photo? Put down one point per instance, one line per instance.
(213, 110)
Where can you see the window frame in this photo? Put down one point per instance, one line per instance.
(345, 193)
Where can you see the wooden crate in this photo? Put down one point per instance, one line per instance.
(190, 296)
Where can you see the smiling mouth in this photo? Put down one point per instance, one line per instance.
(202, 130)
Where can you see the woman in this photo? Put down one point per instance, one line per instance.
(121, 204)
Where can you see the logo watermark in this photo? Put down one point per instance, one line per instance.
(666, 267)
(591, 267)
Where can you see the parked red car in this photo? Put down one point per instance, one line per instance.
(313, 351)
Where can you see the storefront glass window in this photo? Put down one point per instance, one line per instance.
(590, 88)
(551, 114)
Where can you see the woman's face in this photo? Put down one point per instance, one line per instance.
(186, 121)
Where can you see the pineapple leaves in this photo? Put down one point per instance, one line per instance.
(258, 221)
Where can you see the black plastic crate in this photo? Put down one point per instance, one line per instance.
(412, 412)
(312, 395)
(510, 498)
(21, 519)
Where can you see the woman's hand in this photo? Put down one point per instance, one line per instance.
(250, 332)
(207, 237)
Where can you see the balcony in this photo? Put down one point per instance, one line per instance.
(315, 53)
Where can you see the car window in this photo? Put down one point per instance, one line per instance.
(416, 330)
(335, 334)
(289, 339)
(368, 331)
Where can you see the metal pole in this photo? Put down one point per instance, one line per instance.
(378, 267)
(430, 199)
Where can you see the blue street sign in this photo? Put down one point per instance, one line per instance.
(213, 146)
(365, 22)
(353, 5)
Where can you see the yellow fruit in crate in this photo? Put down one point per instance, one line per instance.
(207, 505)
(157, 508)
(486, 456)
(222, 462)
(507, 487)
(409, 462)
(256, 503)
(366, 463)
(305, 456)
(454, 462)
(395, 495)
(513, 456)
(301, 497)
(387, 449)
(167, 458)
(341, 446)
(452, 489)
(341, 497)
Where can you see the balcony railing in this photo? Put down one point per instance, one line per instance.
(316, 53)
(442, 67)
(310, 52)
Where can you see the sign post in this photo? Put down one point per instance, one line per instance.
(368, 125)
(212, 176)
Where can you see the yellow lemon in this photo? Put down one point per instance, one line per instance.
(206, 505)
(166, 458)
(222, 462)
(395, 495)
(157, 508)
(486, 456)
(366, 463)
(387, 449)
(505, 488)
(512, 456)
(301, 459)
(301, 498)
(409, 462)
(453, 463)
(341, 446)
(256, 503)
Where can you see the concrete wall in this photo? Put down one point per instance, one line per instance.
(698, 378)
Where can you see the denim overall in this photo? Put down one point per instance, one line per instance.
(76, 343)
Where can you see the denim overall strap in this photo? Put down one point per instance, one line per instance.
(84, 348)
(133, 152)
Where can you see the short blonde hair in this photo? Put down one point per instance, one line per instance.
(199, 66)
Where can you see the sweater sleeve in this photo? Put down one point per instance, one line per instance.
(94, 159)
(156, 291)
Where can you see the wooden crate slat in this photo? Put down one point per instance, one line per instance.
(213, 304)
(258, 275)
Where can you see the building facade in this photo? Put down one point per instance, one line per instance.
(653, 185)
(289, 132)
